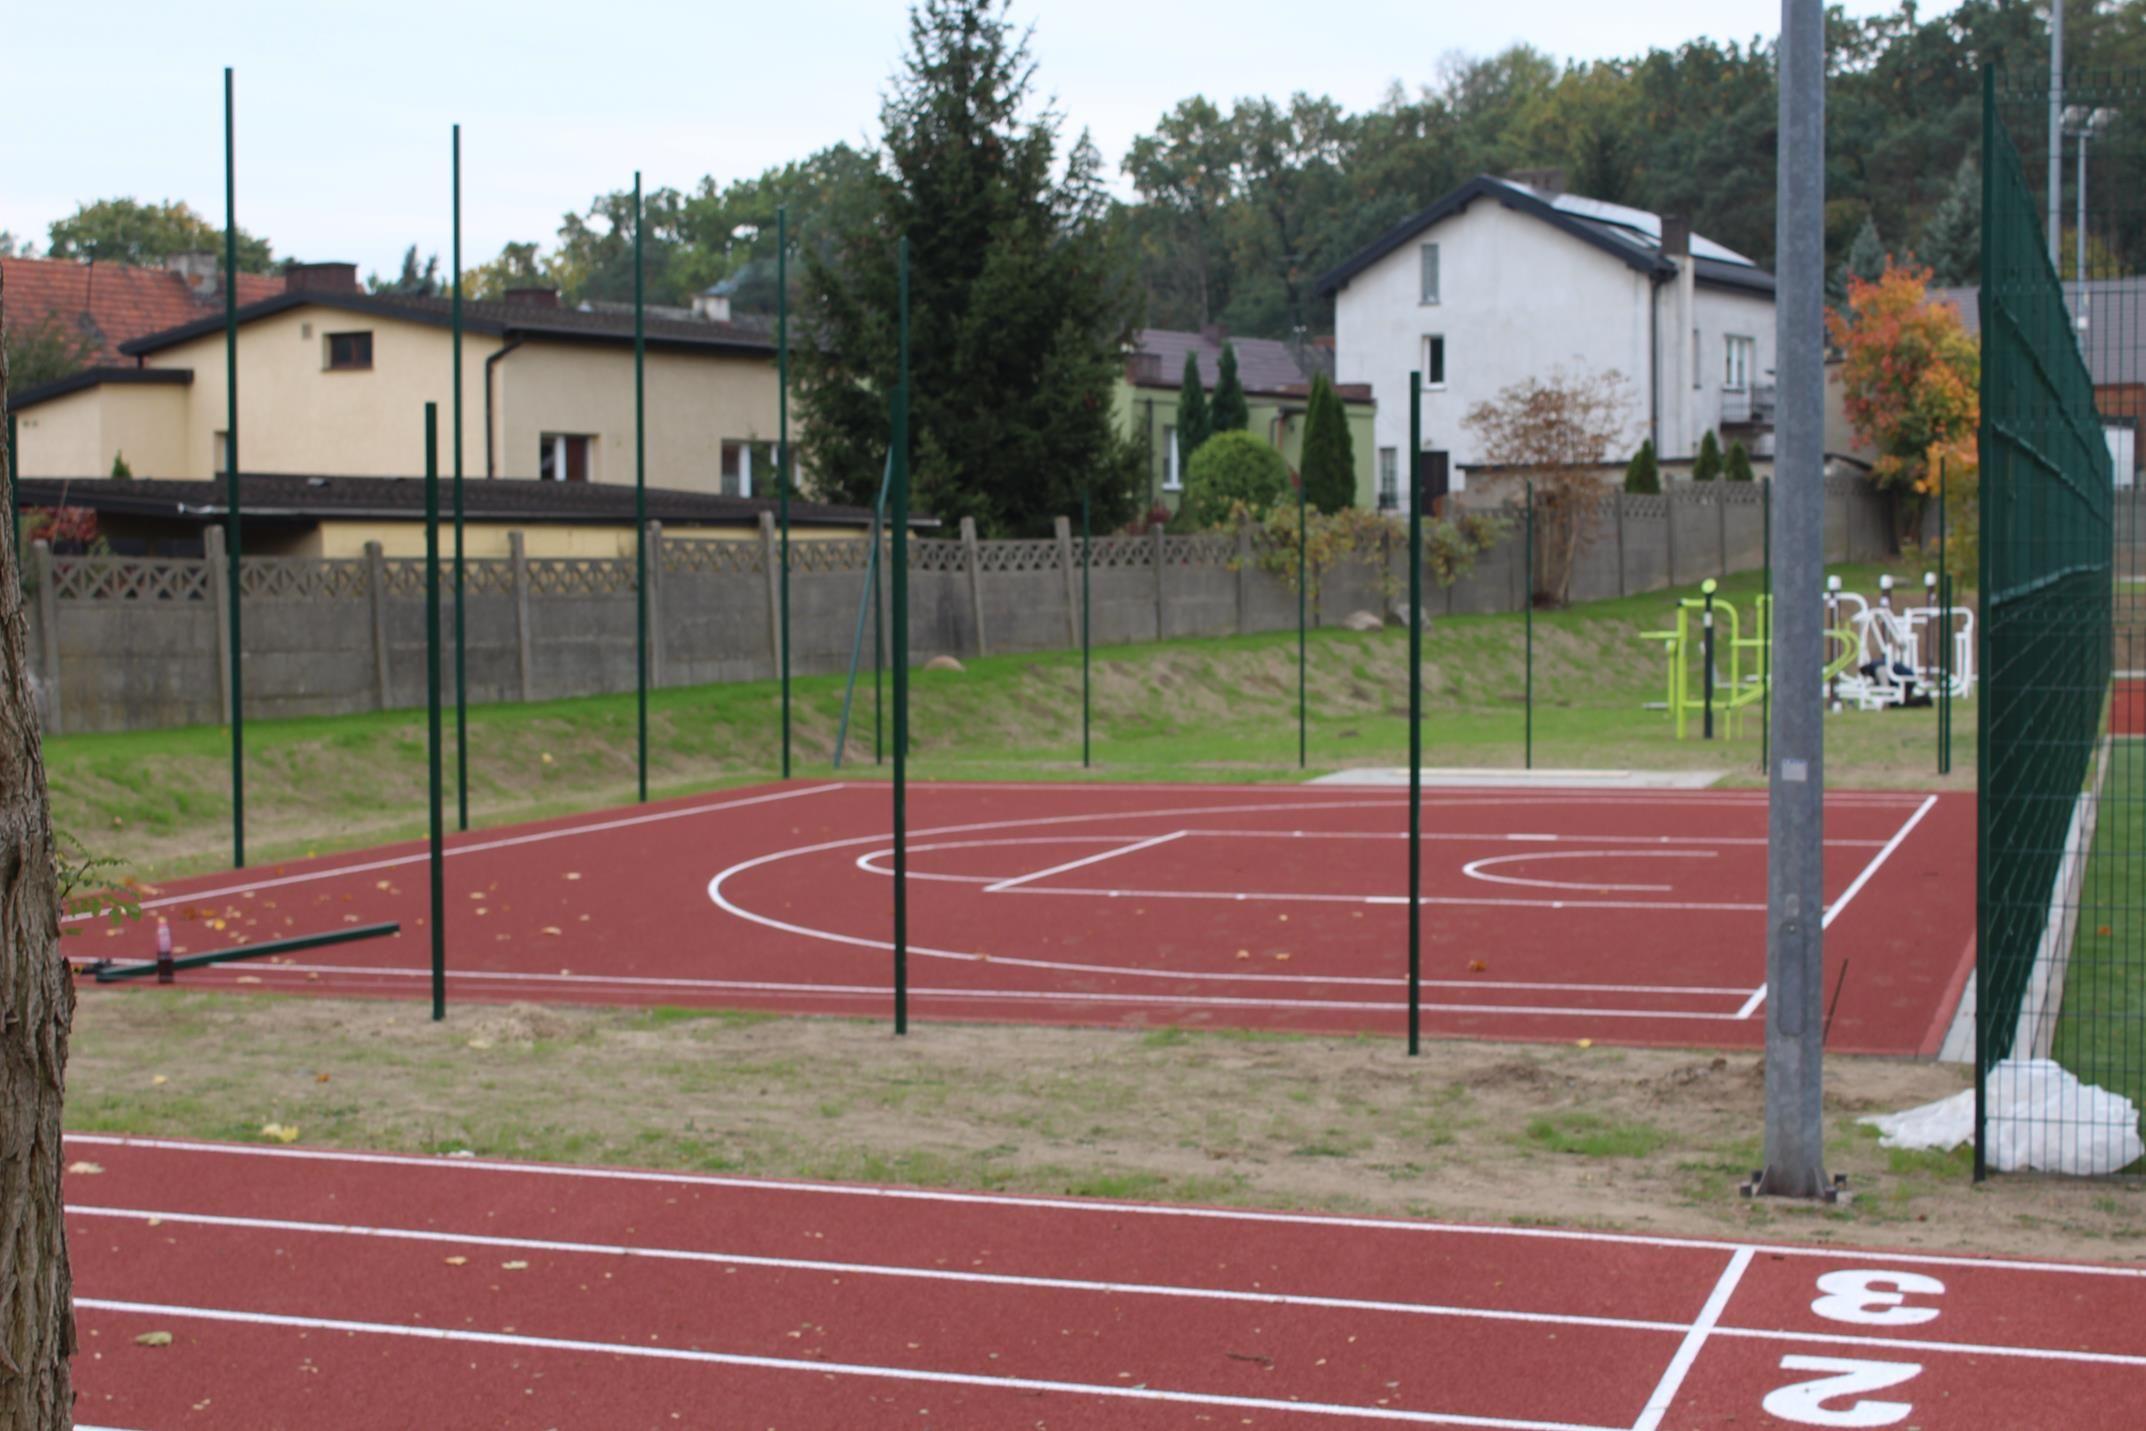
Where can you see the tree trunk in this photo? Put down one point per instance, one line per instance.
(37, 1000)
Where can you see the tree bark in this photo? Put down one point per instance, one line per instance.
(37, 1000)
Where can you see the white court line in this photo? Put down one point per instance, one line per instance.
(827, 1369)
(1877, 861)
(1454, 900)
(1474, 869)
(1694, 1333)
(1491, 837)
(509, 842)
(1665, 1390)
(1847, 1255)
(653, 981)
(1111, 854)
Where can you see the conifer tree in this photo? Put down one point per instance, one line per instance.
(1230, 413)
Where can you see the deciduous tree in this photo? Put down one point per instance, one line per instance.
(129, 231)
(1909, 377)
(1557, 432)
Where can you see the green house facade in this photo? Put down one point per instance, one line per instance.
(1277, 389)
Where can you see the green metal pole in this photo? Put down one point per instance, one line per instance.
(1528, 606)
(901, 655)
(233, 543)
(782, 449)
(461, 665)
(879, 665)
(1415, 714)
(1944, 637)
(1086, 749)
(640, 503)
(432, 711)
(1766, 629)
(1303, 741)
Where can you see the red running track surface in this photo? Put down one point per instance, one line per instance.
(328, 1290)
(2127, 707)
(1630, 917)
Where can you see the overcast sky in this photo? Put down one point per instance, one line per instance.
(344, 109)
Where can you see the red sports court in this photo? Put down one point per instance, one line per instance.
(1625, 916)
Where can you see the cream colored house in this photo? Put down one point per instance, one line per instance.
(333, 382)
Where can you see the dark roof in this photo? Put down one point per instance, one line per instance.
(92, 377)
(1631, 236)
(503, 499)
(488, 316)
(2114, 341)
(1265, 366)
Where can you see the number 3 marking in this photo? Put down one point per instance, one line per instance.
(1805, 1402)
(1876, 1299)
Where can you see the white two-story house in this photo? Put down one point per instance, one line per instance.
(1500, 281)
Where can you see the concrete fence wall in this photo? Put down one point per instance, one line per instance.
(124, 643)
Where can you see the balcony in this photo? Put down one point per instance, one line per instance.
(1748, 406)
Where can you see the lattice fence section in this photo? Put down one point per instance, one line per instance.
(1105, 553)
(1200, 549)
(926, 554)
(717, 558)
(403, 577)
(96, 578)
(848, 555)
(1645, 506)
(1017, 557)
(490, 577)
(580, 576)
(300, 579)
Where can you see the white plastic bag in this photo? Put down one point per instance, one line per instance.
(2040, 1118)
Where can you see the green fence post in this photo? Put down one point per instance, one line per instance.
(1085, 762)
(233, 545)
(1528, 606)
(461, 662)
(1944, 635)
(640, 500)
(434, 808)
(782, 441)
(901, 653)
(879, 657)
(1415, 713)
(1303, 529)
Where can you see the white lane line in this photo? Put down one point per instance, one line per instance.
(1846, 1256)
(1665, 1390)
(465, 1336)
(1456, 900)
(453, 852)
(878, 1269)
(1772, 1334)
(1474, 868)
(1489, 837)
(1751, 1003)
(1095, 859)
(1877, 861)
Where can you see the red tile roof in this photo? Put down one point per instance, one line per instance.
(111, 303)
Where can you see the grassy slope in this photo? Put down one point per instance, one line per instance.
(158, 801)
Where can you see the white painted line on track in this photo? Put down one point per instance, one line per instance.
(1846, 1255)
(467, 1336)
(1665, 1390)
(480, 847)
(1474, 869)
(1117, 852)
(1877, 861)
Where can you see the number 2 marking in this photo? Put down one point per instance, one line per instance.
(1876, 1299)
(1805, 1401)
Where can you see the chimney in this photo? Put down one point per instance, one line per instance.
(713, 303)
(320, 278)
(201, 271)
(1676, 236)
(533, 297)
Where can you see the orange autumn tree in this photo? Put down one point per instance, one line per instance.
(1910, 379)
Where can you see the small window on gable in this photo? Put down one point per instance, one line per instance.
(1429, 260)
(349, 352)
(1434, 360)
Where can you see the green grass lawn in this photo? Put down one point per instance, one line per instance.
(158, 802)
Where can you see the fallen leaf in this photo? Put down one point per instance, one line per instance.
(545, 757)
(84, 1169)
(572, 875)
(1244, 953)
(1476, 966)
(153, 1339)
(514, 1266)
(1587, 1043)
(320, 1078)
(247, 979)
(158, 1078)
(553, 930)
(281, 1132)
(455, 1261)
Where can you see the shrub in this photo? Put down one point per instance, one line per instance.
(1229, 468)
(1738, 467)
(1643, 473)
(1329, 453)
(1707, 465)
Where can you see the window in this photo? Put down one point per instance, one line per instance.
(1172, 478)
(742, 458)
(1428, 256)
(349, 352)
(1736, 367)
(1389, 479)
(1434, 360)
(563, 457)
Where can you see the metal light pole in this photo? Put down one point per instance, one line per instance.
(2082, 123)
(782, 449)
(2056, 130)
(461, 664)
(1795, 894)
(640, 502)
(233, 546)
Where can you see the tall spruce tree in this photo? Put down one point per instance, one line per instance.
(1230, 412)
(1020, 304)
(1194, 425)
(1737, 466)
(1643, 474)
(1952, 240)
(1329, 458)
(1707, 465)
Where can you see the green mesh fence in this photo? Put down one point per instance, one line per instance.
(2061, 964)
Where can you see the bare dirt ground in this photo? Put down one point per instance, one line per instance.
(1642, 1140)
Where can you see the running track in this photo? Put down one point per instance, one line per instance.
(332, 1290)
(1633, 917)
